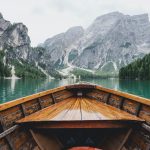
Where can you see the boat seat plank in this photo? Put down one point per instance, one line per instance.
(87, 111)
(79, 109)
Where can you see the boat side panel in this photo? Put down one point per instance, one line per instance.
(31, 106)
(45, 101)
(9, 116)
(129, 105)
(125, 95)
(97, 94)
(139, 139)
(21, 139)
(114, 101)
(4, 145)
(29, 98)
(145, 113)
(59, 96)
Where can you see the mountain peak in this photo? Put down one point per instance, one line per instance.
(75, 29)
(111, 14)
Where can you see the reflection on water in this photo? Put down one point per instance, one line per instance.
(141, 88)
(13, 83)
(12, 89)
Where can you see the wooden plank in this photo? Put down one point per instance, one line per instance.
(10, 116)
(130, 106)
(80, 86)
(23, 109)
(116, 140)
(81, 109)
(89, 112)
(28, 98)
(53, 99)
(34, 96)
(126, 95)
(109, 112)
(9, 144)
(8, 131)
(121, 103)
(49, 113)
(124, 140)
(138, 140)
(145, 113)
(40, 104)
(45, 101)
(146, 127)
(73, 112)
(4, 145)
(31, 107)
(105, 124)
(138, 108)
(107, 98)
(36, 140)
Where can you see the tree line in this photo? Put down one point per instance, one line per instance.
(139, 69)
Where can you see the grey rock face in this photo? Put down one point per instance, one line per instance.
(114, 38)
(57, 47)
(14, 36)
(14, 47)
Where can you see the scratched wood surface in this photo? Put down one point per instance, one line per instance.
(79, 109)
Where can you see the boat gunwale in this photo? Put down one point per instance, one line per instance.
(22, 100)
(129, 96)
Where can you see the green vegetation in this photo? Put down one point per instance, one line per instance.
(139, 69)
(56, 74)
(22, 68)
(86, 74)
(5, 71)
(109, 67)
(25, 69)
(72, 55)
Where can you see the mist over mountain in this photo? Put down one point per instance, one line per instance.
(111, 41)
(14, 51)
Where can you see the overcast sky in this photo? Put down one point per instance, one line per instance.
(45, 18)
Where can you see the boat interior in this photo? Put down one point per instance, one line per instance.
(73, 117)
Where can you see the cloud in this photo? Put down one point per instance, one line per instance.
(45, 18)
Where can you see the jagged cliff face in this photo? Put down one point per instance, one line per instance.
(114, 40)
(110, 42)
(14, 36)
(59, 46)
(14, 51)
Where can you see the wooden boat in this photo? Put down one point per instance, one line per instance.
(76, 117)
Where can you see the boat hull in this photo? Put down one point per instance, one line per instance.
(131, 129)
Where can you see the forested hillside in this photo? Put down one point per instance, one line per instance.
(139, 69)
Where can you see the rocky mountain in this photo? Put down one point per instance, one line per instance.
(59, 46)
(113, 40)
(14, 51)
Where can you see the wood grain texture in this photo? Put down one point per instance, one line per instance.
(145, 113)
(79, 109)
(28, 98)
(125, 95)
(86, 124)
(4, 145)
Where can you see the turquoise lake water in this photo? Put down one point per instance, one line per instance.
(12, 89)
